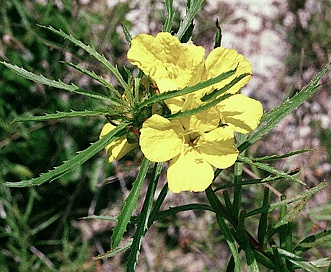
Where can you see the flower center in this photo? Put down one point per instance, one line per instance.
(191, 138)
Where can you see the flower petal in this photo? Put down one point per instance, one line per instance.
(242, 112)
(189, 172)
(222, 60)
(217, 147)
(161, 139)
(118, 148)
(169, 63)
(202, 121)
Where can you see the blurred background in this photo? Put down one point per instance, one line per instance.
(287, 43)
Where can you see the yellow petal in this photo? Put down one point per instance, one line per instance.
(161, 139)
(217, 147)
(189, 172)
(242, 112)
(118, 148)
(202, 121)
(169, 63)
(222, 60)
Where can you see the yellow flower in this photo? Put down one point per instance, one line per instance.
(192, 145)
(197, 143)
(118, 148)
(174, 66)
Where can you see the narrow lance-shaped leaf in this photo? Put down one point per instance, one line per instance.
(92, 52)
(273, 206)
(217, 92)
(142, 224)
(263, 222)
(157, 205)
(218, 36)
(127, 34)
(201, 108)
(289, 216)
(286, 155)
(61, 115)
(254, 181)
(217, 206)
(170, 16)
(249, 251)
(276, 115)
(191, 12)
(312, 241)
(115, 251)
(96, 77)
(56, 84)
(129, 205)
(80, 158)
(213, 102)
(269, 169)
(100, 217)
(298, 260)
(174, 210)
(171, 94)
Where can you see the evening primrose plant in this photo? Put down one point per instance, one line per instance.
(185, 113)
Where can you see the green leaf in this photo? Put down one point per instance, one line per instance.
(218, 36)
(218, 92)
(312, 241)
(286, 155)
(210, 104)
(217, 206)
(323, 262)
(171, 94)
(174, 210)
(279, 261)
(95, 77)
(201, 108)
(264, 260)
(129, 205)
(306, 194)
(298, 260)
(80, 158)
(142, 225)
(170, 16)
(249, 252)
(269, 169)
(289, 216)
(127, 34)
(273, 117)
(263, 222)
(254, 181)
(238, 169)
(92, 52)
(191, 13)
(61, 115)
(100, 217)
(162, 195)
(54, 83)
(115, 251)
